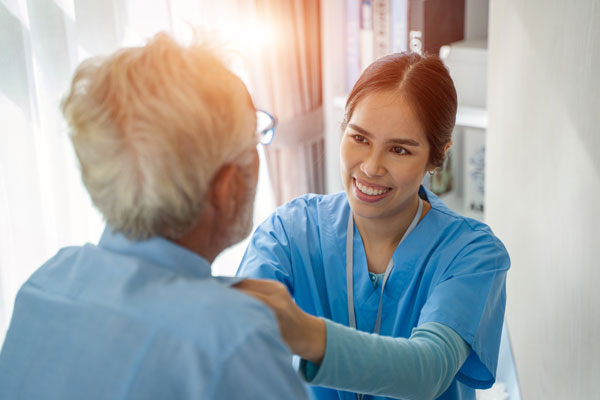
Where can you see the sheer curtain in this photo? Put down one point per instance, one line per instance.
(288, 74)
(43, 205)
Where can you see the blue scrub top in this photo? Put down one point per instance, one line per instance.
(449, 269)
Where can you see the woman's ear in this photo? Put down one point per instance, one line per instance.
(430, 168)
(447, 147)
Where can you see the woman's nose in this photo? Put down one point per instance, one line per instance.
(372, 166)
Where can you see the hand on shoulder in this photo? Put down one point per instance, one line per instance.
(303, 333)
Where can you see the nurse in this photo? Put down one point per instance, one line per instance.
(384, 291)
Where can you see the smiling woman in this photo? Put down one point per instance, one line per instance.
(391, 151)
(426, 281)
(384, 155)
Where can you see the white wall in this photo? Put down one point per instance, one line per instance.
(543, 187)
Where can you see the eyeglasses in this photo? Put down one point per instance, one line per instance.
(265, 126)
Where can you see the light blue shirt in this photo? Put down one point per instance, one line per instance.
(449, 270)
(140, 320)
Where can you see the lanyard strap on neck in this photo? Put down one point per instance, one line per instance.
(388, 270)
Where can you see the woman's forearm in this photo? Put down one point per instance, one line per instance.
(421, 367)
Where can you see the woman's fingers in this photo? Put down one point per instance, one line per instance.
(279, 301)
(258, 295)
(273, 293)
(265, 299)
(260, 285)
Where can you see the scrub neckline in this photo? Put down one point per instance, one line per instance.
(376, 278)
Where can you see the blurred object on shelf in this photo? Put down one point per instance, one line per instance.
(474, 169)
(399, 11)
(352, 26)
(434, 23)
(467, 62)
(375, 28)
(382, 28)
(366, 37)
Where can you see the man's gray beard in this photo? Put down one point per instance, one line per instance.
(243, 222)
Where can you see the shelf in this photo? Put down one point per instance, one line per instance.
(472, 117)
(455, 203)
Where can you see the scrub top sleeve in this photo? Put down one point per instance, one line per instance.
(268, 253)
(470, 298)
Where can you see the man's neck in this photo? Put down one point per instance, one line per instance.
(203, 239)
(199, 243)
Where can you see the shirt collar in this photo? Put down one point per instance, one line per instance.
(435, 202)
(158, 251)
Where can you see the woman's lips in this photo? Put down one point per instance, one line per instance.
(369, 192)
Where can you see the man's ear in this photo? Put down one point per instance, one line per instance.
(223, 191)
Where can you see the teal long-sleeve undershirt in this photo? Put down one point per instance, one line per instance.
(420, 367)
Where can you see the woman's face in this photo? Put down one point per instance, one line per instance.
(384, 155)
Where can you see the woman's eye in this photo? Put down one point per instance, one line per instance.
(399, 150)
(360, 139)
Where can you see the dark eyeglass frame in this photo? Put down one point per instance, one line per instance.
(265, 126)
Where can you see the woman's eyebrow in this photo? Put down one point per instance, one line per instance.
(406, 142)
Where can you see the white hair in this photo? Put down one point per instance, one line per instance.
(151, 126)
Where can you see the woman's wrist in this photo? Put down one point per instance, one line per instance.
(314, 340)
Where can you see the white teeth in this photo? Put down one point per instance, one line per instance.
(370, 191)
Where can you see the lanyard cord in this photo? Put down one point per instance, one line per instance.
(388, 270)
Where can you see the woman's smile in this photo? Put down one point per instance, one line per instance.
(370, 192)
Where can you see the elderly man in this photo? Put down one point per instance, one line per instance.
(166, 139)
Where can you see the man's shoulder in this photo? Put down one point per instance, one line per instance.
(180, 306)
(203, 311)
(231, 312)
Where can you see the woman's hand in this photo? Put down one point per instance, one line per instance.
(303, 333)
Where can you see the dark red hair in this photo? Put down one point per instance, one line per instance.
(426, 84)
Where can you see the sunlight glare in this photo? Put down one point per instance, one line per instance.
(249, 35)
